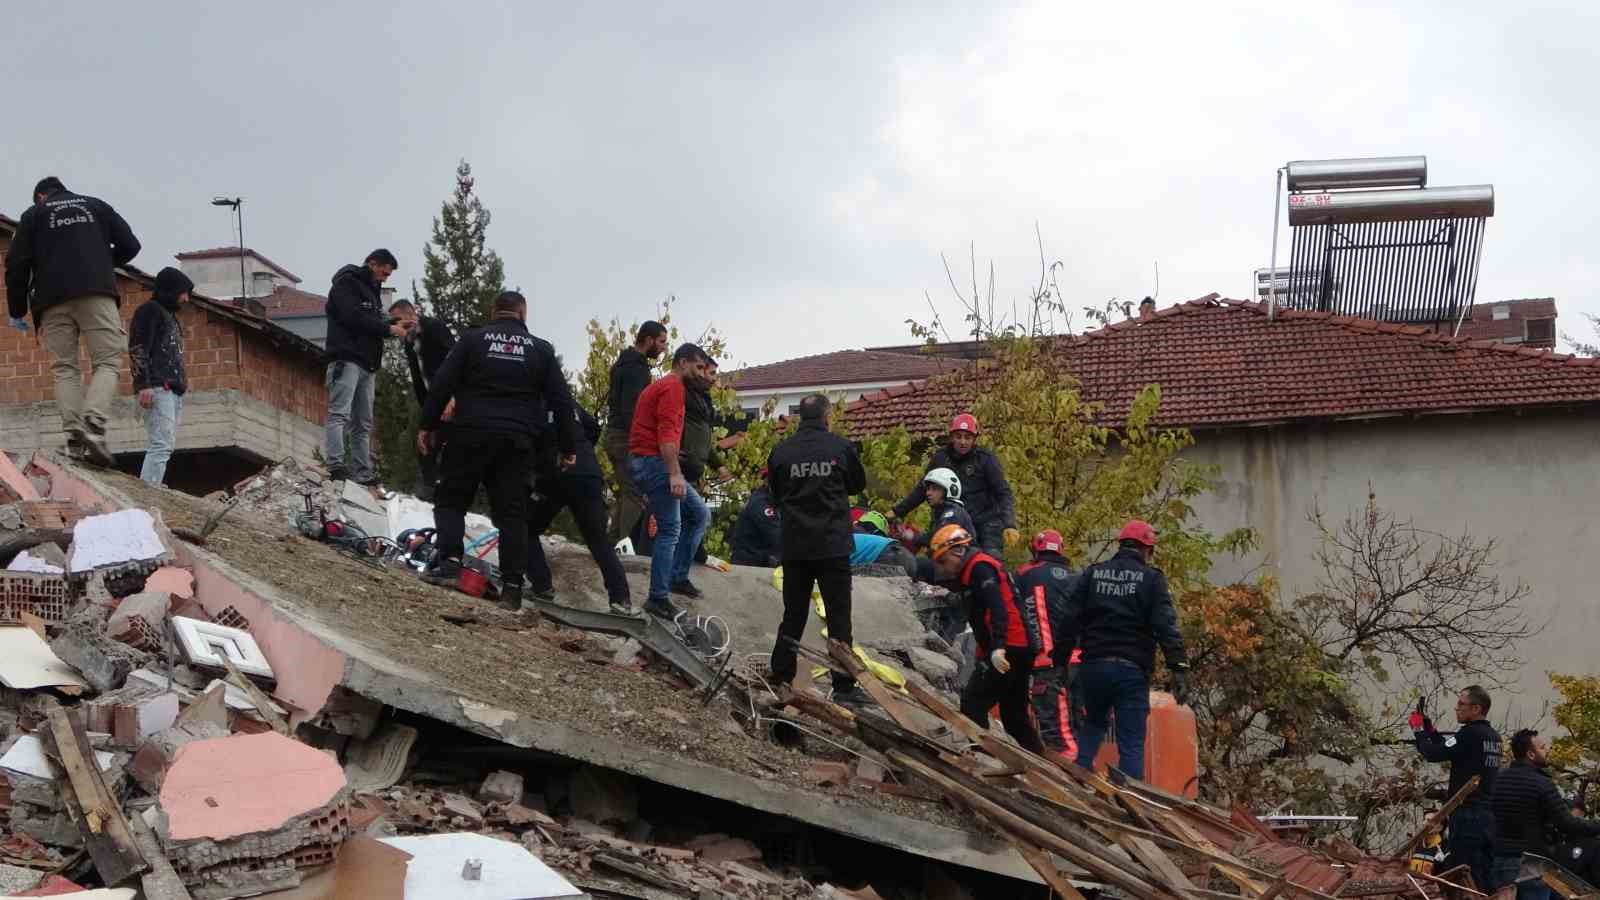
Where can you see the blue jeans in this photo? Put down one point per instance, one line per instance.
(680, 524)
(161, 431)
(1122, 687)
(350, 393)
(1504, 871)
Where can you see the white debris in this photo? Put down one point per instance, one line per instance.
(27, 562)
(128, 535)
(26, 757)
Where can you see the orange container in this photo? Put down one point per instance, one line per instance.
(472, 582)
(1171, 747)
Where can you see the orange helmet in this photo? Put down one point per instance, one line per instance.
(948, 538)
(1140, 531)
(1048, 541)
(965, 422)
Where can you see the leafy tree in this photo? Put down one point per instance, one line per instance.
(461, 276)
(1579, 713)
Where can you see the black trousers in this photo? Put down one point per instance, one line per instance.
(988, 687)
(500, 463)
(799, 575)
(585, 496)
(1052, 707)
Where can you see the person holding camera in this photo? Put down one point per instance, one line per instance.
(357, 327)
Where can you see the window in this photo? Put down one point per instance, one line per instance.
(1539, 330)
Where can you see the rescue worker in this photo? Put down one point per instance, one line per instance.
(812, 474)
(426, 343)
(985, 491)
(1047, 583)
(580, 489)
(1004, 630)
(507, 385)
(942, 488)
(874, 546)
(1120, 611)
(756, 533)
(1527, 809)
(1473, 750)
(629, 376)
(61, 267)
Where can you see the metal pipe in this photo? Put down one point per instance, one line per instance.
(1344, 207)
(1272, 261)
(1372, 172)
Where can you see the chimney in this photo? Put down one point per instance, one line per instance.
(1147, 308)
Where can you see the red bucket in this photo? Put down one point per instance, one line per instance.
(472, 582)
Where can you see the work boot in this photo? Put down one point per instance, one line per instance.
(75, 450)
(852, 697)
(548, 595)
(443, 572)
(510, 598)
(663, 608)
(686, 588)
(93, 438)
(624, 608)
(338, 473)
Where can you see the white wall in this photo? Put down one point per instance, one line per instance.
(220, 277)
(1528, 482)
(791, 396)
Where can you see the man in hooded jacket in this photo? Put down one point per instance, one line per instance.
(357, 327)
(155, 347)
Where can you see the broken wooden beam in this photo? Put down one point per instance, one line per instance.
(263, 705)
(106, 834)
(1437, 819)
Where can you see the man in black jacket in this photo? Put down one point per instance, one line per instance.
(1120, 611)
(757, 533)
(811, 476)
(984, 489)
(357, 327)
(1047, 583)
(1473, 750)
(507, 386)
(155, 347)
(581, 489)
(426, 343)
(630, 375)
(1527, 808)
(62, 266)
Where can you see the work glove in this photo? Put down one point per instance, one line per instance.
(1013, 538)
(1180, 686)
(19, 324)
(999, 661)
(1421, 724)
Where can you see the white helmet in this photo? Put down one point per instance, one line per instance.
(947, 479)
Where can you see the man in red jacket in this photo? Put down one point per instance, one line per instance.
(654, 439)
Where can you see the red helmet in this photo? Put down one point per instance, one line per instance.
(1140, 531)
(965, 422)
(856, 512)
(1048, 541)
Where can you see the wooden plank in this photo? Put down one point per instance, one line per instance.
(1437, 819)
(1158, 863)
(1029, 833)
(875, 688)
(1040, 861)
(262, 704)
(162, 881)
(933, 704)
(1234, 873)
(1444, 882)
(106, 833)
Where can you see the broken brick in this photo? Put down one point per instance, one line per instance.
(134, 722)
(828, 774)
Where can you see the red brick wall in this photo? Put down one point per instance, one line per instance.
(220, 356)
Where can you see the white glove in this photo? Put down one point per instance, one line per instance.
(999, 661)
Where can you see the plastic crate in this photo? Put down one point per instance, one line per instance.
(45, 596)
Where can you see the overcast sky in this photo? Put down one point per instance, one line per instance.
(791, 172)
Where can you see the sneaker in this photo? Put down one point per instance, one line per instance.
(443, 572)
(510, 598)
(663, 608)
(338, 473)
(852, 697)
(75, 449)
(624, 608)
(93, 438)
(686, 588)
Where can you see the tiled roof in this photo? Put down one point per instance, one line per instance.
(233, 253)
(1481, 324)
(292, 303)
(841, 367)
(1222, 363)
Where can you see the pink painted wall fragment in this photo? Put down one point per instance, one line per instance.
(14, 479)
(245, 784)
(171, 579)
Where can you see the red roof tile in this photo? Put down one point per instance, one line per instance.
(1223, 363)
(289, 303)
(1480, 324)
(233, 253)
(842, 367)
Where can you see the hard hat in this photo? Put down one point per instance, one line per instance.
(965, 422)
(1048, 540)
(876, 520)
(946, 538)
(856, 512)
(947, 479)
(1140, 531)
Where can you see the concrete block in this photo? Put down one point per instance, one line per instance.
(244, 784)
(155, 755)
(501, 787)
(140, 619)
(938, 668)
(103, 663)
